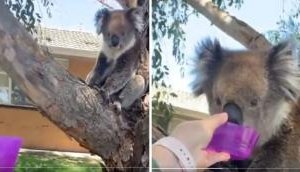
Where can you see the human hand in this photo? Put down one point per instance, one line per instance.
(196, 135)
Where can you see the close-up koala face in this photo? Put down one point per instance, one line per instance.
(255, 88)
(119, 27)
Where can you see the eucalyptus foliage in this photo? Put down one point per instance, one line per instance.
(25, 11)
(288, 27)
(168, 17)
(223, 4)
(288, 24)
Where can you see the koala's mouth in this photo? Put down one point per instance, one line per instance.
(234, 112)
(118, 47)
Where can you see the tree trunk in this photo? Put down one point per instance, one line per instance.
(232, 26)
(80, 111)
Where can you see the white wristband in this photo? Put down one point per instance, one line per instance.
(179, 150)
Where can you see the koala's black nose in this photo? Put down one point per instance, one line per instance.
(234, 112)
(115, 40)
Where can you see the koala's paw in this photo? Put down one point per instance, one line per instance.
(105, 95)
(93, 86)
(122, 124)
(117, 106)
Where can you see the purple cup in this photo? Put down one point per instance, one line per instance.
(237, 140)
(9, 149)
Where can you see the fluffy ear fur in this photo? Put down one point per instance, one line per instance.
(209, 56)
(99, 18)
(284, 69)
(137, 17)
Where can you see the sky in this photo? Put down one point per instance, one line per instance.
(72, 14)
(262, 15)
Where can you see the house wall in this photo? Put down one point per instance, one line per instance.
(183, 114)
(37, 131)
(81, 66)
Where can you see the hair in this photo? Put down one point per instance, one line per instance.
(284, 70)
(281, 65)
(134, 15)
(99, 17)
(209, 57)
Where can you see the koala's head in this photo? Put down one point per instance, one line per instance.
(255, 88)
(120, 27)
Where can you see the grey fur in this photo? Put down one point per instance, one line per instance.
(138, 19)
(277, 116)
(119, 63)
(99, 17)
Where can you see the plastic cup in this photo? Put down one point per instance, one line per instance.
(9, 149)
(237, 140)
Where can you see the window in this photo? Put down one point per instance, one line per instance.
(18, 97)
(5, 83)
(11, 94)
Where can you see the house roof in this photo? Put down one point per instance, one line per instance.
(65, 42)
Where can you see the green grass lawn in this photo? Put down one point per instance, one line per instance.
(47, 162)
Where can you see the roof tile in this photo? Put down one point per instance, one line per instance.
(69, 39)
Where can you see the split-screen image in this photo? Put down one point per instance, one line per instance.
(149, 85)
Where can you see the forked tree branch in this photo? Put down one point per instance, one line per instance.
(231, 25)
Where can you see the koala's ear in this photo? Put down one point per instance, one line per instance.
(209, 56)
(284, 69)
(99, 18)
(137, 17)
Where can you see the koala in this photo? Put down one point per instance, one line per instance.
(118, 59)
(257, 88)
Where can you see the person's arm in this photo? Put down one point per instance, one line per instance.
(195, 136)
(164, 158)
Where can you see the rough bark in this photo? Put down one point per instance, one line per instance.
(231, 25)
(80, 111)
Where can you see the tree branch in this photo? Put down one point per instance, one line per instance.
(81, 112)
(232, 26)
(105, 4)
(128, 3)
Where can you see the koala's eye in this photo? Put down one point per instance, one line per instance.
(218, 101)
(108, 34)
(123, 33)
(254, 103)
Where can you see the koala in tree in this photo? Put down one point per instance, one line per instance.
(257, 88)
(115, 69)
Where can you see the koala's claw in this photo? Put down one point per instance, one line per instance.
(104, 95)
(101, 91)
(117, 106)
(123, 125)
